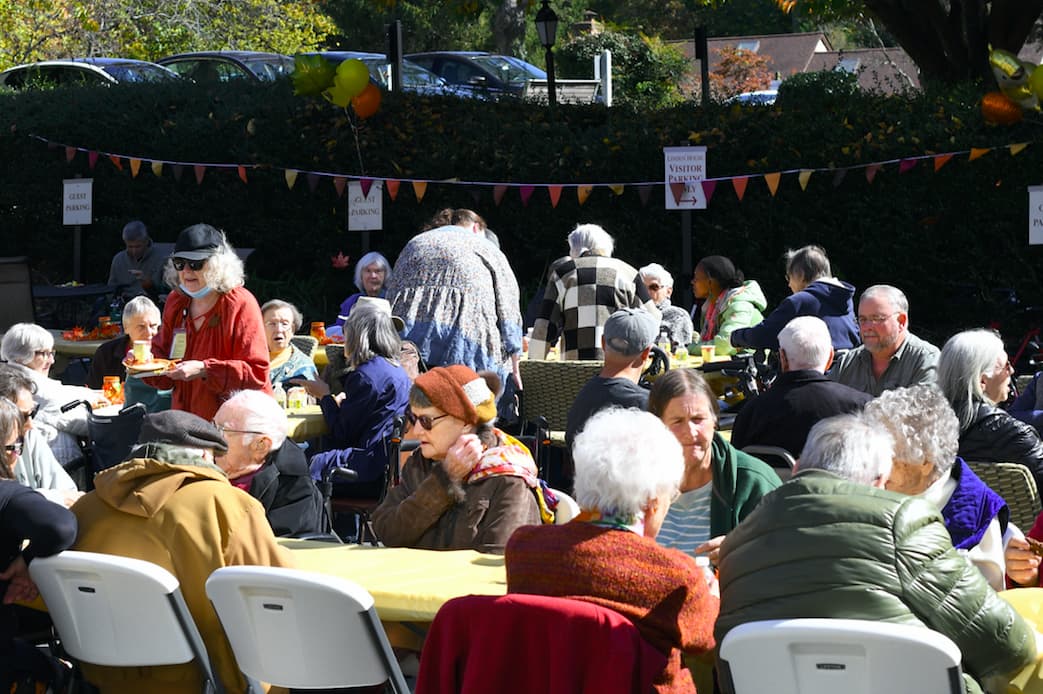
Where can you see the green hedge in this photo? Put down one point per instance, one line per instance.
(926, 232)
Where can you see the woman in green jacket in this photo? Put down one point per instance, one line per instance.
(721, 484)
(730, 301)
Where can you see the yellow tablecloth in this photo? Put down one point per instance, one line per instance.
(407, 585)
(1028, 602)
(318, 356)
(306, 423)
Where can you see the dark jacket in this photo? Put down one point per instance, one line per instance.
(290, 498)
(830, 301)
(426, 511)
(821, 546)
(784, 414)
(108, 361)
(739, 482)
(996, 437)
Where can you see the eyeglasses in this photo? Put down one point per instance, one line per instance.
(26, 416)
(875, 320)
(426, 421)
(273, 324)
(15, 448)
(45, 353)
(180, 263)
(229, 430)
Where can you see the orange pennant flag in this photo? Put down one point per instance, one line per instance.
(70, 153)
(135, 166)
(498, 193)
(940, 161)
(200, 172)
(242, 174)
(772, 180)
(803, 177)
(291, 178)
(677, 190)
(582, 193)
(392, 187)
(977, 153)
(116, 161)
(739, 184)
(1017, 148)
(616, 188)
(157, 168)
(339, 182)
(419, 188)
(555, 195)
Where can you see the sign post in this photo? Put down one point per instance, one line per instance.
(77, 210)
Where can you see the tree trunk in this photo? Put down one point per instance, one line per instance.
(508, 26)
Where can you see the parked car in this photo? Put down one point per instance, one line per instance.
(763, 97)
(414, 78)
(503, 74)
(84, 71)
(222, 66)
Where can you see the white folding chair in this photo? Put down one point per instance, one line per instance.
(302, 630)
(567, 507)
(826, 656)
(120, 612)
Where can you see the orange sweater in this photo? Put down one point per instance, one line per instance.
(660, 590)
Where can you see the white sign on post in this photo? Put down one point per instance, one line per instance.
(365, 212)
(1035, 215)
(685, 165)
(77, 201)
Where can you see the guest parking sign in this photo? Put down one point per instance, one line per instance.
(77, 200)
(685, 171)
(365, 210)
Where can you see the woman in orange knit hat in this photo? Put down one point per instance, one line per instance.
(469, 485)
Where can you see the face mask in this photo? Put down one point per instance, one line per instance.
(199, 294)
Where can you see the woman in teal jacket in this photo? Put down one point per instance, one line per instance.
(730, 301)
(721, 485)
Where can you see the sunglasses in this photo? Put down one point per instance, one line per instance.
(180, 263)
(426, 421)
(654, 287)
(229, 430)
(15, 448)
(26, 416)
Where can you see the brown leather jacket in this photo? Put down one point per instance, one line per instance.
(426, 511)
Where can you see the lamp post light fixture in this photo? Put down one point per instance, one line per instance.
(547, 29)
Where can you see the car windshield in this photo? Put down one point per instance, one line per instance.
(138, 72)
(510, 71)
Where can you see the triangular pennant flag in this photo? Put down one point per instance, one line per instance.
(419, 188)
(526, 193)
(179, 171)
(739, 184)
(339, 182)
(157, 168)
(772, 179)
(644, 193)
(1017, 148)
(366, 184)
(977, 153)
(582, 193)
(116, 161)
(70, 153)
(291, 178)
(392, 187)
(135, 166)
(677, 190)
(200, 172)
(313, 181)
(941, 160)
(498, 192)
(871, 171)
(555, 195)
(838, 177)
(92, 159)
(476, 194)
(906, 165)
(617, 188)
(242, 174)
(709, 187)
(803, 177)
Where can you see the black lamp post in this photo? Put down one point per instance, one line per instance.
(547, 29)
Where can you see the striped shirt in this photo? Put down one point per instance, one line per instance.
(687, 523)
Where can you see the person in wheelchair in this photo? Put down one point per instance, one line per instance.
(469, 485)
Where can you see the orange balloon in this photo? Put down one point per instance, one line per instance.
(367, 102)
(998, 108)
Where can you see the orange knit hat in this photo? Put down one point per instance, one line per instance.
(460, 392)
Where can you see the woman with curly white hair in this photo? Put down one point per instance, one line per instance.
(211, 324)
(926, 436)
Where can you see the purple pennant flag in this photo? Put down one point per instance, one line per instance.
(92, 159)
(526, 193)
(905, 165)
(366, 184)
(313, 181)
(708, 189)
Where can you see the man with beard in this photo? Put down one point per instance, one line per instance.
(890, 356)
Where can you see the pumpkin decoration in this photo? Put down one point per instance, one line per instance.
(1000, 109)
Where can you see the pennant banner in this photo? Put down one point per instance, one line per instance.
(803, 177)
(419, 188)
(772, 180)
(498, 192)
(582, 193)
(941, 160)
(392, 188)
(739, 184)
(135, 166)
(291, 178)
(526, 193)
(708, 189)
(555, 194)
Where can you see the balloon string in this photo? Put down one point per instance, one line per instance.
(358, 145)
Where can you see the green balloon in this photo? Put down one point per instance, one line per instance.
(352, 76)
(337, 95)
(312, 74)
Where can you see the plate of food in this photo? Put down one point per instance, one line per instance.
(149, 368)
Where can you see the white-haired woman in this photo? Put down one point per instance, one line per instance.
(211, 323)
(30, 349)
(281, 321)
(372, 273)
(974, 373)
(628, 466)
(375, 392)
(926, 437)
(675, 320)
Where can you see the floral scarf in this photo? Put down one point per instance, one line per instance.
(513, 459)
